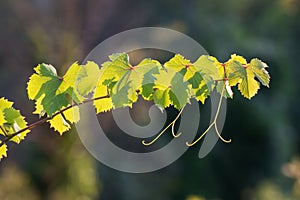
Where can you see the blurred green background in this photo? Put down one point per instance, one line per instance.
(262, 163)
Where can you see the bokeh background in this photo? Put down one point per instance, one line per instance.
(262, 163)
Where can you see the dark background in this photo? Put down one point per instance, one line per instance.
(261, 163)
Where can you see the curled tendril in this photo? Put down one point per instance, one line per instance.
(164, 130)
(213, 124)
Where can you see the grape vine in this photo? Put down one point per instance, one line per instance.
(118, 84)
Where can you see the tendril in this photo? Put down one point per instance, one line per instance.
(164, 130)
(213, 124)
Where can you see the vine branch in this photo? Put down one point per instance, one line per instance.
(41, 121)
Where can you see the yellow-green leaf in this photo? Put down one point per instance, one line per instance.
(243, 74)
(101, 90)
(34, 85)
(162, 98)
(175, 88)
(11, 121)
(2, 118)
(3, 151)
(88, 83)
(248, 86)
(61, 122)
(50, 90)
(69, 79)
(4, 103)
(238, 58)
(208, 70)
(15, 122)
(259, 69)
(39, 107)
(138, 79)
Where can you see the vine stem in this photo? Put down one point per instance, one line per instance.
(213, 124)
(41, 121)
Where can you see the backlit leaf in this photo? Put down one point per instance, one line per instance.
(242, 74)
(11, 121)
(61, 122)
(3, 151)
(259, 69)
(50, 90)
(88, 82)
